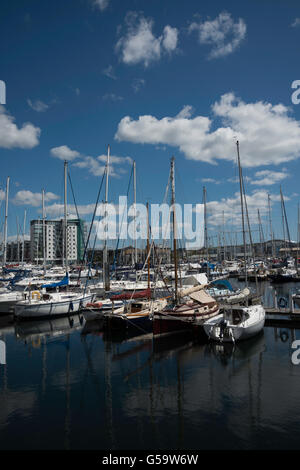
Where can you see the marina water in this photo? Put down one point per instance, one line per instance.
(70, 384)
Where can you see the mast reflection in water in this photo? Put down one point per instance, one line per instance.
(71, 384)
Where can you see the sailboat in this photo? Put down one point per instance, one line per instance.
(40, 304)
(138, 314)
(196, 305)
(237, 322)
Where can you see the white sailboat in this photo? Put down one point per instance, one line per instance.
(41, 304)
(195, 305)
(237, 322)
(137, 314)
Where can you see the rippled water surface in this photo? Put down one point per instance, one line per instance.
(67, 384)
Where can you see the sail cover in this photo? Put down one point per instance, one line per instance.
(189, 290)
(63, 282)
(201, 297)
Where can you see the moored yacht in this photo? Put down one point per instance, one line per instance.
(236, 323)
(42, 304)
(196, 307)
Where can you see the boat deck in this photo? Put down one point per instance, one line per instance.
(274, 314)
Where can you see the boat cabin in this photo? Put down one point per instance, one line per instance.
(234, 316)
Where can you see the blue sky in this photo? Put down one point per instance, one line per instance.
(152, 79)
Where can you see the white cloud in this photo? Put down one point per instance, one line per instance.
(221, 33)
(96, 166)
(38, 105)
(210, 180)
(170, 38)
(113, 159)
(268, 177)
(235, 179)
(267, 134)
(28, 198)
(186, 112)
(56, 209)
(230, 208)
(13, 238)
(137, 84)
(64, 153)
(11, 136)
(296, 22)
(109, 72)
(112, 97)
(101, 4)
(139, 45)
(92, 165)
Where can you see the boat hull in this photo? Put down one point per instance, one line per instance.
(167, 323)
(143, 323)
(163, 326)
(8, 306)
(279, 279)
(232, 333)
(52, 309)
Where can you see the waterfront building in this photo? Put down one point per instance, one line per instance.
(54, 240)
(15, 249)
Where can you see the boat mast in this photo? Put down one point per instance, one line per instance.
(247, 217)
(44, 234)
(298, 238)
(134, 205)
(261, 234)
(18, 240)
(283, 226)
(23, 244)
(148, 248)
(65, 217)
(219, 245)
(284, 217)
(174, 224)
(271, 228)
(242, 207)
(224, 243)
(105, 263)
(5, 222)
(205, 231)
(38, 242)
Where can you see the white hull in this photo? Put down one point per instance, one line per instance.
(52, 308)
(106, 305)
(8, 306)
(9, 300)
(236, 332)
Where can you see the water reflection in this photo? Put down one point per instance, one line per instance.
(74, 384)
(37, 330)
(227, 352)
(6, 326)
